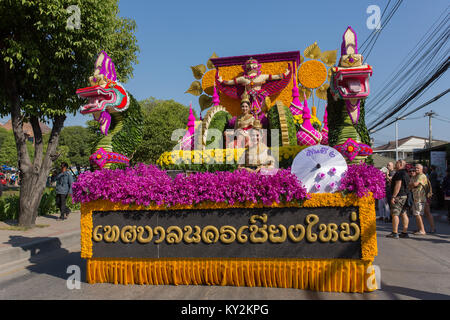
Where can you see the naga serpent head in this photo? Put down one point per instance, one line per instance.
(350, 79)
(105, 95)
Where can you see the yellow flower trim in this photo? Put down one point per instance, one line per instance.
(331, 275)
(298, 119)
(338, 275)
(230, 72)
(312, 74)
(211, 156)
(366, 215)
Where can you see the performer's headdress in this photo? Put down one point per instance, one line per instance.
(249, 62)
(245, 98)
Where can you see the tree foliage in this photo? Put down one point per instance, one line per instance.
(50, 61)
(161, 118)
(43, 60)
(8, 151)
(77, 140)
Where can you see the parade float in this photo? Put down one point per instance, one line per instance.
(274, 196)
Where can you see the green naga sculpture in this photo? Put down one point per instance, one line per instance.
(349, 86)
(117, 112)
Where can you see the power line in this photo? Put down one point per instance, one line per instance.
(413, 94)
(416, 109)
(414, 64)
(361, 47)
(418, 67)
(408, 60)
(441, 119)
(390, 15)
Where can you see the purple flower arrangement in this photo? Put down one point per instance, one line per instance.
(362, 179)
(146, 185)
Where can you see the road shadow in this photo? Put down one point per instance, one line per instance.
(394, 291)
(47, 256)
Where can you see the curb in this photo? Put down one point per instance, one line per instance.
(33, 250)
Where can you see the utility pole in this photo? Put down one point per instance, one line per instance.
(430, 137)
(396, 136)
(396, 140)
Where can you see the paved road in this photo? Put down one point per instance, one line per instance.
(415, 268)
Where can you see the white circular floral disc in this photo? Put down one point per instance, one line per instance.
(319, 168)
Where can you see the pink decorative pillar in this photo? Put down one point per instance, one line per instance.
(324, 131)
(307, 135)
(296, 106)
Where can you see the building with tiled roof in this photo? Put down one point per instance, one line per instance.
(406, 147)
(27, 128)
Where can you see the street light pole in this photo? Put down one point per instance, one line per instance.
(430, 137)
(396, 140)
(396, 137)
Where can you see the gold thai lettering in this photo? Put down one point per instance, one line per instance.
(311, 220)
(254, 229)
(344, 235)
(355, 237)
(161, 232)
(174, 234)
(196, 238)
(242, 238)
(140, 237)
(298, 228)
(273, 230)
(333, 229)
(328, 232)
(128, 234)
(227, 234)
(111, 234)
(210, 234)
(258, 231)
(95, 236)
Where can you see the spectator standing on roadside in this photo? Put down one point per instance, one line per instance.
(446, 190)
(389, 177)
(400, 182)
(418, 184)
(434, 179)
(429, 195)
(64, 182)
(383, 204)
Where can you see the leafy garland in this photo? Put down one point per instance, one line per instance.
(128, 139)
(336, 119)
(125, 133)
(274, 123)
(219, 122)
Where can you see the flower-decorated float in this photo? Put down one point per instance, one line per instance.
(271, 204)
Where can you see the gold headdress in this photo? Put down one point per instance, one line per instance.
(245, 98)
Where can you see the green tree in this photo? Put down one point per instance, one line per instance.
(78, 140)
(161, 118)
(8, 152)
(44, 58)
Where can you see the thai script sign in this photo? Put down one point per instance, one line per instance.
(327, 232)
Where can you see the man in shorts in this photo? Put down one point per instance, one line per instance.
(417, 185)
(400, 182)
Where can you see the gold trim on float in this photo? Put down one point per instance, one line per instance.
(337, 275)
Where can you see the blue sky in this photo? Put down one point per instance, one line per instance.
(174, 35)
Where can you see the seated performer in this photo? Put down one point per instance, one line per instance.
(257, 157)
(244, 122)
(253, 81)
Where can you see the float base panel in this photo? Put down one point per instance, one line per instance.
(333, 275)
